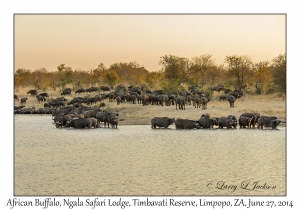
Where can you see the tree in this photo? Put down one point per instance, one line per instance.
(129, 72)
(80, 78)
(175, 68)
(23, 77)
(60, 68)
(65, 75)
(97, 74)
(101, 67)
(262, 76)
(40, 78)
(215, 73)
(279, 71)
(239, 67)
(201, 65)
(17, 81)
(53, 81)
(153, 79)
(111, 78)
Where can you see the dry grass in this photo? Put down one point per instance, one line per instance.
(134, 114)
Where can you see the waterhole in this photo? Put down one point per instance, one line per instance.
(138, 160)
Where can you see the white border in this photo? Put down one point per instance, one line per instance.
(8, 8)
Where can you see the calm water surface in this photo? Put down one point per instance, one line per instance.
(138, 160)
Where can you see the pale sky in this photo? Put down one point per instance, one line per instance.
(84, 41)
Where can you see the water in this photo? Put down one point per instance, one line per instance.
(138, 160)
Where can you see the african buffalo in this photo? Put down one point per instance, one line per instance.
(158, 92)
(91, 89)
(102, 117)
(139, 99)
(67, 91)
(104, 88)
(154, 99)
(44, 95)
(113, 119)
(57, 104)
(46, 105)
(111, 96)
(118, 99)
(206, 122)
(78, 100)
(32, 92)
(188, 99)
(231, 100)
(217, 88)
(245, 121)
(227, 122)
(40, 98)
(239, 92)
(161, 122)
(163, 98)
(90, 113)
(23, 100)
(120, 88)
(204, 101)
(145, 99)
(131, 98)
(254, 117)
(102, 104)
(268, 121)
(61, 119)
(80, 123)
(79, 91)
(183, 93)
(180, 100)
(186, 124)
(235, 94)
(97, 98)
(227, 91)
(223, 97)
(196, 101)
(94, 122)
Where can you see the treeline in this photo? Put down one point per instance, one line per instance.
(177, 73)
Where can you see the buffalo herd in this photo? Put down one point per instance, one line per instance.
(195, 97)
(246, 120)
(138, 95)
(84, 117)
(78, 113)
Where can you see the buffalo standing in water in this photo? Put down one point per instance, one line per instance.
(186, 124)
(206, 121)
(82, 123)
(254, 117)
(227, 122)
(268, 121)
(161, 122)
(245, 121)
(103, 117)
(113, 119)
